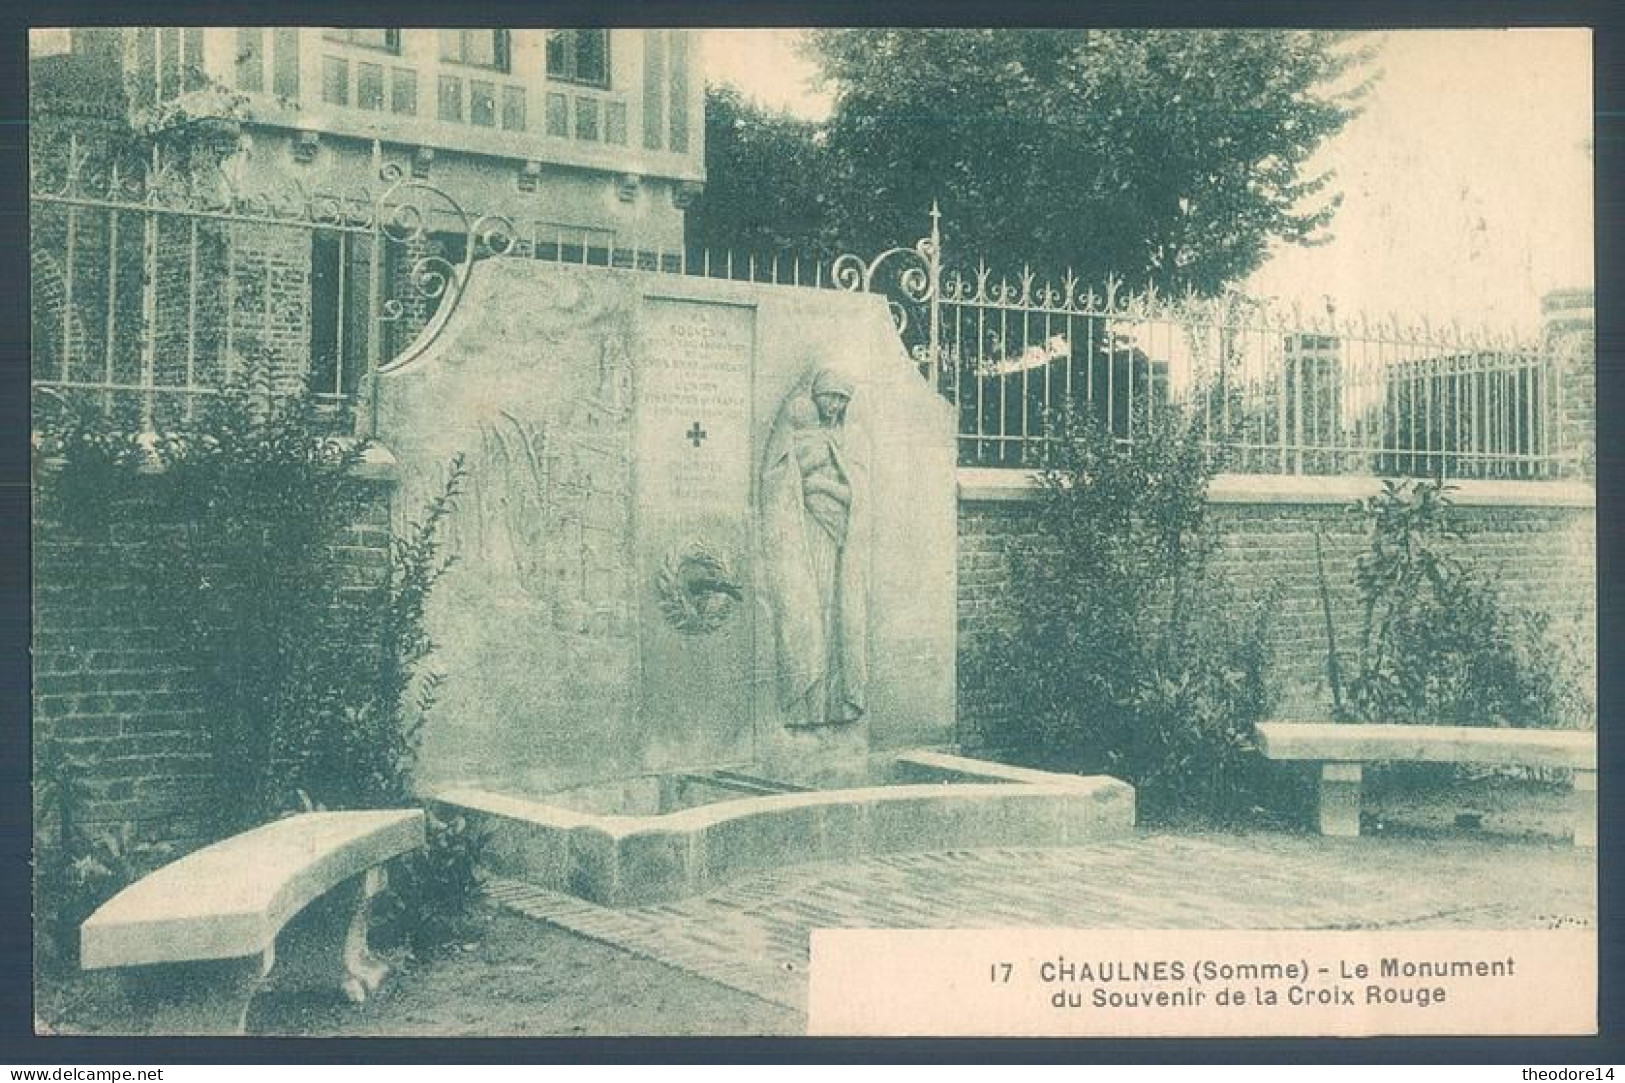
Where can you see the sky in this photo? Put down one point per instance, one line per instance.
(1467, 181)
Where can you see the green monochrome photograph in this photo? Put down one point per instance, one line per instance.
(531, 527)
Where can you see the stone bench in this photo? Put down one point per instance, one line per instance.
(1341, 750)
(197, 939)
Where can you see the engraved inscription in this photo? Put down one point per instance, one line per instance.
(694, 523)
(694, 399)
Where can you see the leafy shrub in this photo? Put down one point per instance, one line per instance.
(313, 666)
(1127, 657)
(1437, 645)
(307, 666)
(433, 890)
(77, 866)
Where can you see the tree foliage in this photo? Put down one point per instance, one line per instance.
(768, 188)
(1173, 157)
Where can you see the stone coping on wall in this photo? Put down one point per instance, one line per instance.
(992, 485)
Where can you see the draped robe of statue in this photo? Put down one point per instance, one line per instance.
(813, 520)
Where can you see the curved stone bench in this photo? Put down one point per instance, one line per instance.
(1342, 749)
(198, 938)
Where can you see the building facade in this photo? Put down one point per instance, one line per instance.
(364, 166)
(593, 132)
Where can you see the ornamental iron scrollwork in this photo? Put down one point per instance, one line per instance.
(917, 276)
(908, 277)
(405, 214)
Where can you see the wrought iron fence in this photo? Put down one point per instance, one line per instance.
(155, 285)
(1271, 390)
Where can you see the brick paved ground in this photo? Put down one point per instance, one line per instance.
(752, 936)
(735, 961)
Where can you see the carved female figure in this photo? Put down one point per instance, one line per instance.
(812, 516)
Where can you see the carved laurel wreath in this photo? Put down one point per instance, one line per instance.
(696, 589)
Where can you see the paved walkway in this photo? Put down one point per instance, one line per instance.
(752, 935)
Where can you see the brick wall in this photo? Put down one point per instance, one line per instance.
(404, 263)
(101, 252)
(270, 320)
(1578, 353)
(189, 333)
(113, 688)
(200, 269)
(1535, 541)
(57, 330)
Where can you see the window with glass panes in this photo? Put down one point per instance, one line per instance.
(578, 56)
(476, 48)
(388, 41)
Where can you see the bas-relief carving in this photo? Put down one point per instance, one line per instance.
(589, 479)
(568, 305)
(697, 588)
(813, 514)
(694, 531)
(547, 499)
(695, 412)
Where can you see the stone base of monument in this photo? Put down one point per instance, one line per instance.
(657, 838)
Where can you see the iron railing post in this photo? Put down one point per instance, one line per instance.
(1297, 406)
(1281, 416)
(366, 413)
(934, 266)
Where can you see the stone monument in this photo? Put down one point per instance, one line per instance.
(704, 524)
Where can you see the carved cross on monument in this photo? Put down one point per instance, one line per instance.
(696, 435)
